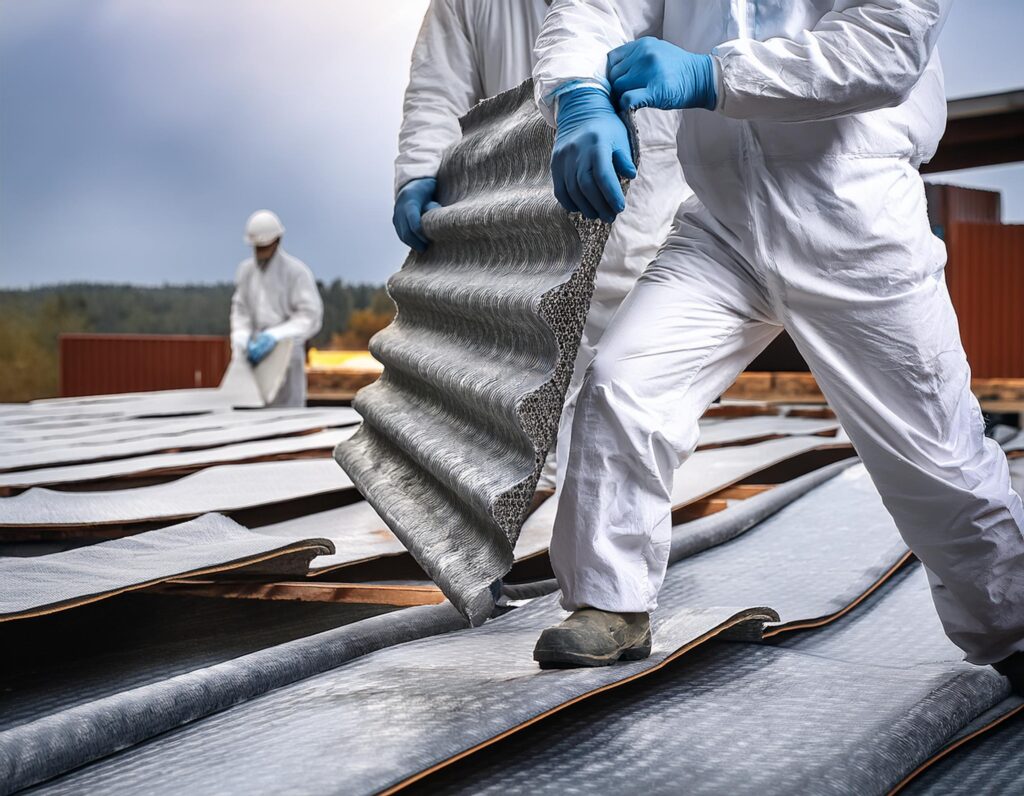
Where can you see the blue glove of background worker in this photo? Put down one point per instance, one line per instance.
(415, 199)
(651, 73)
(261, 345)
(591, 152)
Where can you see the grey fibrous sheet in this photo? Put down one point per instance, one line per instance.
(851, 708)
(178, 460)
(238, 389)
(478, 359)
(356, 531)
(42, 584)
(73, 658)
(131, 428)
(703, 474)
(166, 663)
(401, 711)
(1015, 443)
(991, 763)
(93, 450)
(223, 488)
(723, 431)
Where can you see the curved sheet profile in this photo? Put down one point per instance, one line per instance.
(478, 359)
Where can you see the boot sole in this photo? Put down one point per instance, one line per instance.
(564, 659)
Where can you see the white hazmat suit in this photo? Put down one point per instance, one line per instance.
(469, 50)
(810, 215)
(281, 299)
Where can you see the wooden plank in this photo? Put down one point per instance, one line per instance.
(742, 491)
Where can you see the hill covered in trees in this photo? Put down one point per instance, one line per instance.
(31, 320)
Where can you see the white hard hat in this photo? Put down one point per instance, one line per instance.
(263, 228)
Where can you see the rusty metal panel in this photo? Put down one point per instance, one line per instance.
(100, 364)
(986, 282)
(948, 204)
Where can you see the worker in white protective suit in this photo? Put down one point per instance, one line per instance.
(276, 298)
(469, 50)
(803, 127)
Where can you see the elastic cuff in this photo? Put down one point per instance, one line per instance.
(719, 80)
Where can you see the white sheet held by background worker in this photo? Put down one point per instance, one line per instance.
(803, 127)
(275, 298)
(469, 50)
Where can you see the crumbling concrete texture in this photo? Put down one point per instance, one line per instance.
(478, 359)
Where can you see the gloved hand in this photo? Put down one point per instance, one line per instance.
(591, 151)
(651, 73)
(415, 199)
(258, 348)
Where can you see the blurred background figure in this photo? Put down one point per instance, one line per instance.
(276, 298)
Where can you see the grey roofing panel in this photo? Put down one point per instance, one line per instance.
(850, 709)
(102, 649)
(96, 449)
(42, 584)
(708, 471)
(224, 488)
(742, 429)
(131, 428)
(400, 711)
(703, 474)
(155, 681)
(178, 460)
(478, 359)
(991, 763)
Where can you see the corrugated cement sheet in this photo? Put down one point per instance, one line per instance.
(478, 359)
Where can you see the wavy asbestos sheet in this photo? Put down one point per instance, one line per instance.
(394, 725)
(985, 757)
(45, 584)
(96, 450)
(162, 463)
(184, 659)
(847, 710)
(478, 360)
(228, 487)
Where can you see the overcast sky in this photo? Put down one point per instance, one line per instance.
(136, 137)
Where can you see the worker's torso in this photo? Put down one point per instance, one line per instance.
(268, 291)
(774, 173)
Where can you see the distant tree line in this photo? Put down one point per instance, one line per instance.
(31, 320)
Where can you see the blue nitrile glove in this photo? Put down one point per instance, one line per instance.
(651, 73)
(261, 345)
(415, 199)
(591, 152)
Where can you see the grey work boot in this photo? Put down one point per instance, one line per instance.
(1013, 668)
(594, 638)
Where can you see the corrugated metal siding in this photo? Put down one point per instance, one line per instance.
(99, 364)
(948, 204)
(985, 275)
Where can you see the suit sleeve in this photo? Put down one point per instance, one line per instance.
(443, 84)
(576, 37)
(860, 57)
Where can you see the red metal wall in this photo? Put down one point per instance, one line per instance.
(99, 364)
(985, 274)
